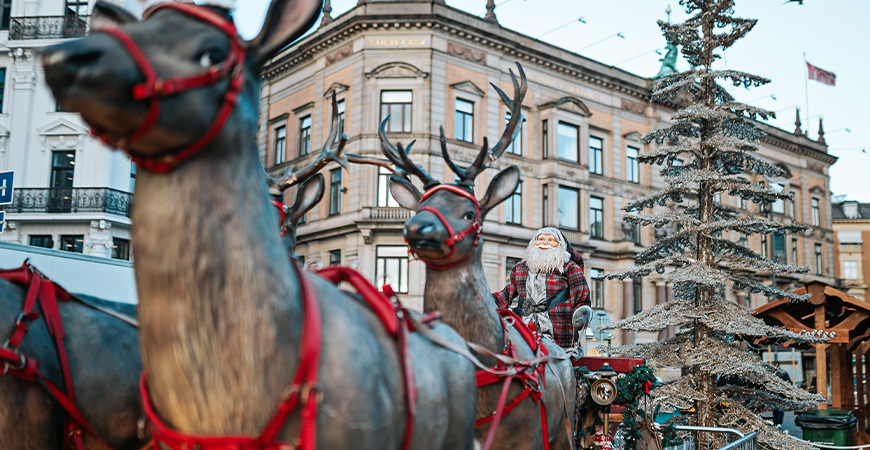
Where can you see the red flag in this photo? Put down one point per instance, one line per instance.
(821, 75)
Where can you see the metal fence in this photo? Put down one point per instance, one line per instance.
(70, 200)
(47, 27)
(743, 442)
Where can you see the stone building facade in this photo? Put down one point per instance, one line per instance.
(851, 221)
(430, 65)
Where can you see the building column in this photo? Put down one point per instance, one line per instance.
(627, 309)
(661, 292)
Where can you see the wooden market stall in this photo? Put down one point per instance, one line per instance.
(846, 321)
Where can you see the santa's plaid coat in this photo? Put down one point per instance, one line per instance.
(571, 278)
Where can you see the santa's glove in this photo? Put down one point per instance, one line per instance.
(581, 318)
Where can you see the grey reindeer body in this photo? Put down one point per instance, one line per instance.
(456, 285)
(220, 305)
(104, 359)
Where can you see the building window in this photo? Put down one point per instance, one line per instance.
(515, 147)
(637, 294)
(632, 171)
(818, 259)
(61, 181)
(281, 143)
(545, 205)
(794, 252)
(791, 208)
(778, 205)
(569, 207)
(509, 265)
(850, 269)
(334, 258)
(305, 135)
(545, 139)
(596, 217)
(850, 210)
(391, 267)
(2, 69)
(816, 217)
(76, 8)
(132, 176)
(72, 243)
(385, 198)
(596, 155)
(596, 289)
(742, 200)
(5, 14)
(765, 250)
(398, 105)
(514, 206)
(121, 248)
(341, 115)
(42, 240)
(463, 126)
(335, 192)
(633, 233)
(569, 138)
(779, 248)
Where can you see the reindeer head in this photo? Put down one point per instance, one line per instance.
(449, 221)
(165, 87)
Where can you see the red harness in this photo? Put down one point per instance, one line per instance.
(153, 88)
(532, 375)
(454, 238)
(41, 289)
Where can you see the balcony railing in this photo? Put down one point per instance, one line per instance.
(70, 200)
(48, 27)
(381, 213)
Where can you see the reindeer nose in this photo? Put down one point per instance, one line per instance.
(416, 230)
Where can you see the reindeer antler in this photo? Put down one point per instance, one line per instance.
(279, 185)
(399, 157)
(487, 155)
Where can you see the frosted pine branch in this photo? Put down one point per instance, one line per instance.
(747, 284)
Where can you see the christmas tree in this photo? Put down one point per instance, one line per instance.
(708, 143)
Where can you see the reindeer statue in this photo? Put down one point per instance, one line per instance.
(446, 233)
(69, 368)
(226, 317)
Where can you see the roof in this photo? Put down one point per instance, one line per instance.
(837, 212)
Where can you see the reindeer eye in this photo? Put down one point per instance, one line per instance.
(210, 57)
(468, 216)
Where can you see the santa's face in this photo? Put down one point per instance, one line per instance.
(546, 241)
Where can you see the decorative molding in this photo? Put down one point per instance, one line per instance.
(336, 88)
(339, 55)
(397, 69)
(632, 107)
(303, 108)
(634, 136)
(469, 88)
(817, 191)
(572, 104)
(466, 53)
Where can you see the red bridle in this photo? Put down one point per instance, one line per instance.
(453, 239)
(153, 88)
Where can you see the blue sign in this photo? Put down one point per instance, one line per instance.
(5, 194)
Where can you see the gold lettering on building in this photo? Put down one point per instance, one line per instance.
(397, 43)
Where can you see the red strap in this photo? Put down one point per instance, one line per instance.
(302, 390)
(381, 305)
(453, 238)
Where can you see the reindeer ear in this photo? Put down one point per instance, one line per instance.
(502, 186)
(285, 22)
(309, 195)
(108, 15)
(405, 193)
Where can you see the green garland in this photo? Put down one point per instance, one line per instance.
(630, 389)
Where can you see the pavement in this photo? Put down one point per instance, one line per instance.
(787, 423)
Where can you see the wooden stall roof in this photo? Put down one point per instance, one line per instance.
(847, 317)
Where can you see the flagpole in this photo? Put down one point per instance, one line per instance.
(807, 89)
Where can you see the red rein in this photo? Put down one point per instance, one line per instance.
(154, 88)
(453, 239)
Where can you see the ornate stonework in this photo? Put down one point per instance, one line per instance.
(339, 55)
(466, 53)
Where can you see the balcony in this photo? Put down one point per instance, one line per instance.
(48, 27)
(70, 200)
(386, 214)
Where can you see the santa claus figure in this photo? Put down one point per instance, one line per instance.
(548, 288)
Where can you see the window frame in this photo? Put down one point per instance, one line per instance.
(33, 238)
(342, 116)
(463, 120)
(596, 156)
(817, 250)
(850, 267)
(335, 192)
(513, 148)
(794, 251)
(5, 21)
(407, 111)
(545, 194)
(304, 141)
(335, 258)
(596, 217)
(120, 248)
(545, 139)
(778, 205)
(559, 135)
(279, 146)
(815, 211)
(632, 165)
(2, 74)
(559, 214)
(637, 295)
(596, 288)
(78, 242)
(385, 198)
(381, 262)
(513, 211)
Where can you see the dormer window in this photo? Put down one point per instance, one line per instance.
(850, 209)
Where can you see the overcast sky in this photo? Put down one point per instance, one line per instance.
(833, 34)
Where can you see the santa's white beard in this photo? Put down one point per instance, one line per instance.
(545, 261)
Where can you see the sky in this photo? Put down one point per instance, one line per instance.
(833, 34)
